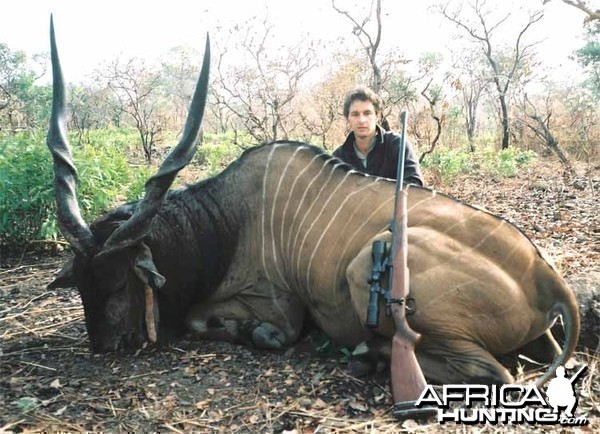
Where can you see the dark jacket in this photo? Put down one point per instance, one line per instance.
(382, 160)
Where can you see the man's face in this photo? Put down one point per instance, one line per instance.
(362, 119)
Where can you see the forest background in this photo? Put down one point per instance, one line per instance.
(489, 86)
(503, 108)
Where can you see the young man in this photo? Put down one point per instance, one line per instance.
(368, 147)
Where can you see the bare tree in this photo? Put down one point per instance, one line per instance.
(433, 97)
(135, 86)
(370, 41)
(93, 107)
(540, 125)
(261, 92)
(482, 30)
(470, 80)
(221, 116)
(322, 114)
(179, 70)
(432, 92)
(388, 79)
(582, 5)
(81, 112)
(325, 106)
(583, 119)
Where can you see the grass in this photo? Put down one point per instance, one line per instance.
(449, 163)
(107, 177)
(27, 208)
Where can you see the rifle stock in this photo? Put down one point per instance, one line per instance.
(408, 381)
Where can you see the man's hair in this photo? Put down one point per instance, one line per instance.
(361, 93)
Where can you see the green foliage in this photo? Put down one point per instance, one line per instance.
(27, 208)
(105, 177)
(233, 138)
(589, 57)
(326, 346)
(217, 151)
(26, 194)
(216, 157)
(449, 163)
(124, 139)
(27, 104)
(399, 88)
(505, 162)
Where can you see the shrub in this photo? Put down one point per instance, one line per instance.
(26, 192)
(214, 157)
(234, 138)
(506, 162)
(27, 208)
(449, 163)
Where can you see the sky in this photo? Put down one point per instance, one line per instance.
(92, 32)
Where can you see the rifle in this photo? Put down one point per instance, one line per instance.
(408, 381)
(379, 255)
(575, 377)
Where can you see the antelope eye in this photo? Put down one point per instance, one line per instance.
(111, 282)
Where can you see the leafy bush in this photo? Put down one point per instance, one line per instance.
(234, 138)
(26, 194)
(27, 208)
(449, 163)
(216, 156)
(506, 161)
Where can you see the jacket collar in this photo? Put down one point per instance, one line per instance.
(349, 143)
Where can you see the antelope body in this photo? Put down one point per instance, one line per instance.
(286, 231)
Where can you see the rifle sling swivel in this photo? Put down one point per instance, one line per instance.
(408, 302)
(396, 301)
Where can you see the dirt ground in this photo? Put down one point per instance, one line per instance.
(49, 380)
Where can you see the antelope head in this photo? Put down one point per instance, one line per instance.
(115, 274)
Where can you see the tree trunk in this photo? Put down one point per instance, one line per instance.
(146, 146)
(435, 139)
(541, 128)
(471, 121)
(438, 120)
(505, 123)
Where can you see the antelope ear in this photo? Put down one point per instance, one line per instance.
(146, 270)
(64, 278)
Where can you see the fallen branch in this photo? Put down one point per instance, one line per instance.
(8, 426)
(541, 128)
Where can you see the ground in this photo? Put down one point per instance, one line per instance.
(49, 380)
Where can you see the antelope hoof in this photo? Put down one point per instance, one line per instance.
(268, 336)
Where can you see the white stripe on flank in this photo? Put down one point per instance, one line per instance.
(308, 187)
(331, 220)
(416, 204)
(489, 234)
(316, 219)
(264, 200)
(358, 230)
(344, 229)
(458, 222)
(315, 158)
(460, 206)
(272, 223)
(315, 201)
